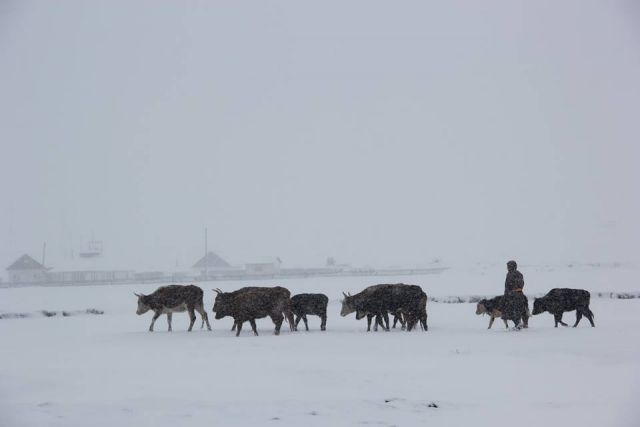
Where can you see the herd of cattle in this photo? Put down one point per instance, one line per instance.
(407, 303)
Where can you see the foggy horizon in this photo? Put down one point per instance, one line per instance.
(460, 131)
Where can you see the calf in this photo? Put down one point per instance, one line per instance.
(313, 304)
(561, 300)
(492, 308)
(174, 298)
(249, 304)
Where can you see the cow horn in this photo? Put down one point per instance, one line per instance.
(345, 295)
(138, 295)
(349, 293)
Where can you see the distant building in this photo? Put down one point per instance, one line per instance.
(87, 268)
(211, 264)
(266, 267)
(27, 270)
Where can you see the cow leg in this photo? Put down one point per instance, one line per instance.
(517, 322)
(491, 322)
(278, 321)
(205, 317)
(424, 322)
(403, 321)
(578, 317)
(306, 325)
(525, 320)
(253, 326)
(396, 318)
(589, 315)
(506, 324)
(323, 321)
(369, 317)
(192, 317)
(153, 320)
(385, 316)
(378, 322)
(233, 328)
(560, 320)
(298, 318)
(169, 318)
(288, 314)
(238, 325)
(410, 322)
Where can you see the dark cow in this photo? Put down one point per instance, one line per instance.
(561, 300)
(420, 314)
(379, 300)
(492, 307)
(313, 304)
(174, 298)
(249, 304)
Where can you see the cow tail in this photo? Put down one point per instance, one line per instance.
(289, 313)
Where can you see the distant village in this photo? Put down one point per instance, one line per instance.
(210, 267)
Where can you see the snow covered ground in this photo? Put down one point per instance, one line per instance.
(107, 370)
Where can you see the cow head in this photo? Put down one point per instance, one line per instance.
(348, 305)
(539, 306)
(481, 308)
(143, 307)
(222, 304)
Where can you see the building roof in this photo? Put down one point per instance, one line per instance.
(267, 260)
(211, 260)
(25, 262)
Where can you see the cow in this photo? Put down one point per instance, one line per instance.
(561, 300)
(174, 298)
(313, 304)
(418, 313)
(398, 316)
(378, 300)
(249, 304)
(492, 308)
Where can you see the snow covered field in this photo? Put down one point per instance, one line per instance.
(107, 370)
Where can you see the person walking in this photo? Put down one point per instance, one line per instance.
(515, 303)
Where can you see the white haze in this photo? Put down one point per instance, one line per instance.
(380, 133)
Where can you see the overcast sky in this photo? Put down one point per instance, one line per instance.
(380, 133)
